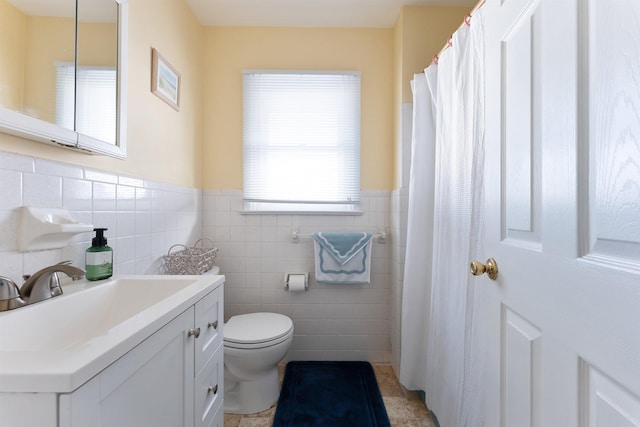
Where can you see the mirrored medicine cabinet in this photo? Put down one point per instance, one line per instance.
(63, 73)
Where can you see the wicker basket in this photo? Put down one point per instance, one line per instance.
(190, 260)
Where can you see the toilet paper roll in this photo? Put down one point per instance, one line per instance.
(297, 282)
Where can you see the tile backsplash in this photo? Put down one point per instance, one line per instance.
(144, 218)
(336, 322)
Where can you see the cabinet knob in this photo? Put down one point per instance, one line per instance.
(194, 332)
(213, 325)
(213, 389)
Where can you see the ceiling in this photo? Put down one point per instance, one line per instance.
(308, 13)
(270, 13)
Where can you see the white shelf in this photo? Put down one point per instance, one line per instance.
(47, 228)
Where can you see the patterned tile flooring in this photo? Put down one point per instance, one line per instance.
(404, 407)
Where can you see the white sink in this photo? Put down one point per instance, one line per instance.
(58, 344)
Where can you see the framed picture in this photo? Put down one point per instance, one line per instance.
(165, 80)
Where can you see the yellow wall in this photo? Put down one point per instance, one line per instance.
(163, 145)
(229, 50)
(201, 145)
(419, 34)
(398, 83)
(424, 31)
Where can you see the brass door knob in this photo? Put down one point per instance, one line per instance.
(491, 268)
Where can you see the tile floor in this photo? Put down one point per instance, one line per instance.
(404, 407)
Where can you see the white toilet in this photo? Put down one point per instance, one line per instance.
(254, 344)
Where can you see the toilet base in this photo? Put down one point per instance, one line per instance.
(250, 397)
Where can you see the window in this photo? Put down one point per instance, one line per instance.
(301, 139)
(95, 112)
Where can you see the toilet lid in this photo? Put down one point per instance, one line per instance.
(256, 328)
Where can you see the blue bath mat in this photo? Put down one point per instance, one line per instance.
(330, 394)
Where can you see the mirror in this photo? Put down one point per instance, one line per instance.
(62, 76)
(40, 36)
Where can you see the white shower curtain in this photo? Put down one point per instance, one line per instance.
(449, 366)
(416, 292)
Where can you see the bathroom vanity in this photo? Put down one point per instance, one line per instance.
(128, 351)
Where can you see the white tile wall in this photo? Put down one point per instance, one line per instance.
(144, 218)
(399, 210)
(332, 322)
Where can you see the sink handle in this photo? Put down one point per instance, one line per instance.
(10, 297)
(193, 332)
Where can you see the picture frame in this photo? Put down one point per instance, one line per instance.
(165, 80)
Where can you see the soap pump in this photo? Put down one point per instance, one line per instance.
(99, 257)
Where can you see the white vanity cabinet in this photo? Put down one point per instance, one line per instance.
(172, 378)
(209, 364)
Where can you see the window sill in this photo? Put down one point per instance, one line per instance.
(325, 213)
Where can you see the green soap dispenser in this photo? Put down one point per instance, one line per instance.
(99, 257)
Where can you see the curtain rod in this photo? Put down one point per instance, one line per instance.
(466, 21)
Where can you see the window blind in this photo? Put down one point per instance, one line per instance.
(65, 94)
(94, 103)
(301, 139)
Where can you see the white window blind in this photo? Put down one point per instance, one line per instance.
(65, 94)
(95, 102)
(301, 134)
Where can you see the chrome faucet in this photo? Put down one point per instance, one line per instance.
(45, 283)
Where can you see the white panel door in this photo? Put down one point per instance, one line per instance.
(563, 212)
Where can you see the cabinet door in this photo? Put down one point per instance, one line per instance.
(152, 385)
(209, 389)
(218, 419)
(209, 319)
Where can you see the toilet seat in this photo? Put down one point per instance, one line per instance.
(257, 330)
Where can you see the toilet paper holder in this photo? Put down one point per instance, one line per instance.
(294, 278)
